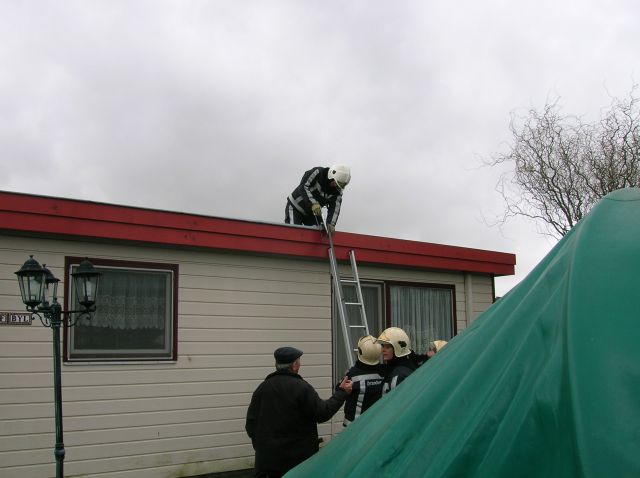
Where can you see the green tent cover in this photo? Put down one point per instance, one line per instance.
(545, 383)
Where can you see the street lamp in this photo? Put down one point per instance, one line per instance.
(39, 288)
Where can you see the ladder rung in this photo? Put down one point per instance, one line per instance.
(356, 326)
(349, 281)
(353, 303)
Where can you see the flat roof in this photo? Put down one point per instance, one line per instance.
(72, 218)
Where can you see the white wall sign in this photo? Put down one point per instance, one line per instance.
(15, 318)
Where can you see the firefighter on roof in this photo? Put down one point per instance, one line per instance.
(320, 187)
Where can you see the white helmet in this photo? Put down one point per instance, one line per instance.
(341, 174)
(437, 345)
(368, 350)
(397, 338)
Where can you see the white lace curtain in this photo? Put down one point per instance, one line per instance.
(131, 300)
(425, 314)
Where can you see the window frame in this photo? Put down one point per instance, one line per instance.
(422, 285)
(71, 261)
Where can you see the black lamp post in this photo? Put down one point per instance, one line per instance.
(39, 288)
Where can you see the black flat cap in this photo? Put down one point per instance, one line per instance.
(287, 354)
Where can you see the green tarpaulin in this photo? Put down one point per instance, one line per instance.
(546, 383)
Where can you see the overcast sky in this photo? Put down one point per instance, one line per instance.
(218, 107)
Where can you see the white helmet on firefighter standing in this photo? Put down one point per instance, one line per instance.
(369, 350)
(341, 174)
(438, 344)
(398, 339)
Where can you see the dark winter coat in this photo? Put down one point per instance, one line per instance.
(367, 389)
(314, 188)
(282, 420)
(419, 359)
(399, 369)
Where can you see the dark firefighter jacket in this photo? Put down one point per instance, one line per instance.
(367, 389)
(314, 187)
(282, 420)
(399, 369)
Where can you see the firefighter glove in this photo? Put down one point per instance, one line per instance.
(316, 209)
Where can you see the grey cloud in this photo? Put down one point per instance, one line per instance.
(218, 107)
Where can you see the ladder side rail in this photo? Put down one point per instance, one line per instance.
(341, 310)
(338, 288)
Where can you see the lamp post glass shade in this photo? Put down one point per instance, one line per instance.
(85, 280)
(32, 279)
(50, 289)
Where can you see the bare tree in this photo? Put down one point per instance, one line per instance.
(562, 165)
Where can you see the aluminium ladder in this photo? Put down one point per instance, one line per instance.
(344, 305)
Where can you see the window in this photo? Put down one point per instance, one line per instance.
(372, 296)
(424, 312)
(136, 317)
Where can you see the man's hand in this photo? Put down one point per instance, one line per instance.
(331, 228)
(346, 384)
(316, 209)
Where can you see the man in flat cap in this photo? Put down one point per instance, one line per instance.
(283, 416)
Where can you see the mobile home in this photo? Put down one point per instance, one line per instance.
(190, 309)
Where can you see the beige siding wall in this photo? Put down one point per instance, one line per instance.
(482, 287)
(155, 420)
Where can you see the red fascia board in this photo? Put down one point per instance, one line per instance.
(432, 262)
(73, 218)
(87, 228)
(69, 208)
(362, 241)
